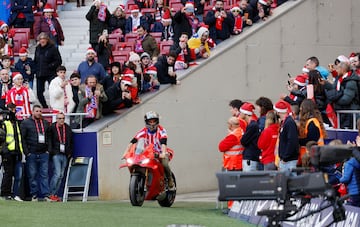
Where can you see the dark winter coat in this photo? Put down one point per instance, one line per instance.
(30, 136)
(96, 26)
(43, 26)
(20, 67)
(181, 24)
(21, 6)
(288, 140)
(54, 143)
(47, 59)
(249, 141)
(162, 67)
(117, 22)
(227, 26)
(115, 99)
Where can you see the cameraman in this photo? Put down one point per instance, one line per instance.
(220, 23)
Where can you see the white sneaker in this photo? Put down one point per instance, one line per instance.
(17, 198)
(34, 199)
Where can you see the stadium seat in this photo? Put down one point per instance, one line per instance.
(59, 2)
(131, 37)
(114, 38)
(121, 56)
(165, 46)
(157, 36)
(129, 46)
(129, 3)
(21, 39)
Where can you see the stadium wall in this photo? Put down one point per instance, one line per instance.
(254, 64)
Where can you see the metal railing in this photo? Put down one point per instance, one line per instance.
(355, 115)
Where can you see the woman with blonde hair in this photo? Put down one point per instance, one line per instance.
(311, 126)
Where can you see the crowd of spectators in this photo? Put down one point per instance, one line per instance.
(283, 134)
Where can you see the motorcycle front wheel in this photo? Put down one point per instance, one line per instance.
(136, 190)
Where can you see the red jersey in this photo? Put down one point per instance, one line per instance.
(152, 137)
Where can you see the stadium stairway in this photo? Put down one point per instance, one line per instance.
(76, 32)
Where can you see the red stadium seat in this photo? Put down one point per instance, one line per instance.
(114, 38)
(59, 2)
(157, 36)
(121, 56)
(165, 46)
(21, 39)
(131, 37)
(128, 46)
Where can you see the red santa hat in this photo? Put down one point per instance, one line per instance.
(301, 80)
(16, 75)
(48, 8)
(235, 7)
(121, 6)
(264, 2)
(166, 17)
(247, 108)
(129, 73)
(134, 9)
(90, 50)
(151, 70)
(343, 58)
(23, 52)
(282, 107)
(126, 80)
(3, 24)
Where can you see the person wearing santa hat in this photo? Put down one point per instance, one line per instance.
(6, 41)
(118, 19)
(98, 17)
(47, 59)
(220, 22)
(288, 149)
(21, 97)
(185, 21)
(91, 67)
(135, 19)
(250, 138)
(355, 62)
(21, 15)
(26, 66)
(182, 50)
(238, 25)
(119, 96)
(199, 44)
(165, 25)
(50, 25)
(150, 82)
(297, 89)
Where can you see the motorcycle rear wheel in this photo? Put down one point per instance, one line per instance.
(170, 196)
(136, 190)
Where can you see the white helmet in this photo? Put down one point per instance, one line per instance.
(149, 116)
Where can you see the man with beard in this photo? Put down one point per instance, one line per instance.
(90, 67)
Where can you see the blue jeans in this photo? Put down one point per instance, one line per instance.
(287, 166)
(59, 165)
(249, 165)
(38, 166)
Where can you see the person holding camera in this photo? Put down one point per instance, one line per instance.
(118, 95)
(91, 99)
(220, 23)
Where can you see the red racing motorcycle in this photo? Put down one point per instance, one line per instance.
(147, 179)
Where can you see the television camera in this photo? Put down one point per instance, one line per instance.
(286, 187)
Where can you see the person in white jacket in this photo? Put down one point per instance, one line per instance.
(60, 92)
